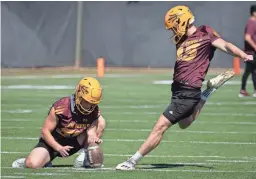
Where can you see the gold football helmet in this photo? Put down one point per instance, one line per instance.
(178, 19)
(87, 95)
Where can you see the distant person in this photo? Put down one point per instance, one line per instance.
(249, 48)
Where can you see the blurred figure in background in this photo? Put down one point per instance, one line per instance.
(249, 48)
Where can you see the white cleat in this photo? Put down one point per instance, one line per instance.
(254, 95)
(19, 163)
(219, 80)
(81, 160)
(127, 165)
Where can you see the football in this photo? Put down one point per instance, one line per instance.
(94, 156)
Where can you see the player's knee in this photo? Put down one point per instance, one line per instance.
(159, 129)
(183, 126)
(162, 125)
(30, 163)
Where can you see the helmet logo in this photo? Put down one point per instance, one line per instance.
(83, 89)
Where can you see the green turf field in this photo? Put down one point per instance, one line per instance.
(221, 144)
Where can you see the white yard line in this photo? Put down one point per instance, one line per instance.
(147, 130)
(70, 76)
(229, 161)
(158, 113)
(10, 176)
(147, 106)
(42, 174)
(182, 131)
(228, 123)
(163, 105)
(18, 111)
(142, 121)
(169, 82)
(244, 158)
(228, 114)
(40, 87)
(150, 168)
(135, 113)
(18, 120)
(142, 140)
(231, 103)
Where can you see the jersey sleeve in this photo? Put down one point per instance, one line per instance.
(213, 35)
(60, 108)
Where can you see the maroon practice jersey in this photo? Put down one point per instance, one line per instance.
(194, 54)
(71, 123)
(250, 29)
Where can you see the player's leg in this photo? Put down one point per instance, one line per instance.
(100, 127)
(39, 157)
(176, 111)
(254, 78)
(155, 136)
(152, 142)
(186, 122)
(247, 72)
(82, 160)
(212, 85)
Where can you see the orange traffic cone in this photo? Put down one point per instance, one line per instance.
(236, 65)
(100, 67)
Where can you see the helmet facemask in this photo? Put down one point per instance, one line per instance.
(178, 19)
(177, 34)
(83, 106)
(179, 30)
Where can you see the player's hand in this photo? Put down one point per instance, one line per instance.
(63, 150)
(98, 140)
(248, 58)
(95, 139)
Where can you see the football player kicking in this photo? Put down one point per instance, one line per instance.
(195, 49)
(73, 123)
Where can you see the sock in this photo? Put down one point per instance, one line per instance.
(207, 93)
(136, 157)
(84, 150)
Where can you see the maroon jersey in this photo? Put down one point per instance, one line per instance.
(70, 122)
(194, 54)
(250, 29)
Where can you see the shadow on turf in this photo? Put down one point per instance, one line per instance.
(160, 165)
(59, 166)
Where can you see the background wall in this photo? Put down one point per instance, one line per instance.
(129, 34)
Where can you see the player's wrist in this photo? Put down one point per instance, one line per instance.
(57, 147)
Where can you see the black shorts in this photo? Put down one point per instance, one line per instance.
(182, 103)
(62, 141)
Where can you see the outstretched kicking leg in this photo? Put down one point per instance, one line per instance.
(212, 85)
